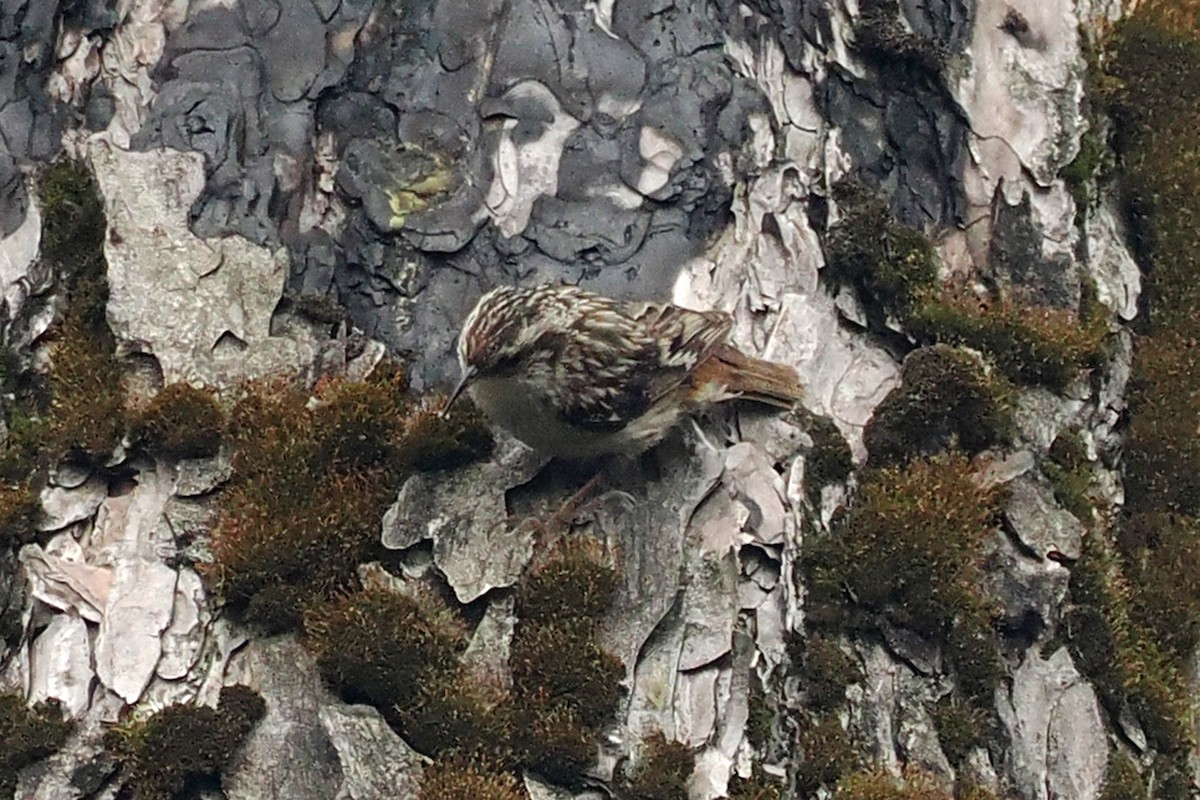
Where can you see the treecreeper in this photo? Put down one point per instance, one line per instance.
(574, 374)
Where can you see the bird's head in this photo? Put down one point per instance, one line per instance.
(501, 336)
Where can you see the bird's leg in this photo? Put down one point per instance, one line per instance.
(548, 531)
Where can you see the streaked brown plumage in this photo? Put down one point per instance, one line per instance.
(574, 374)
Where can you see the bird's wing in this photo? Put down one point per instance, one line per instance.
(605, 368)
(684, 339)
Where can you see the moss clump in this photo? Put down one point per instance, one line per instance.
(827, 671)
(461, 779)
(310, 483)
(1162, 451)
(181, 421)
(73, 231)
(183, 747)
(961, 727)
(881, 36)
(574, 582)
(948, 398)
(1028, 345)
(1156, 62)
(830, 460)
(881, 785)
(21, 451)
(756, 787)
(27, 735)
(885, 261)
(1125, 662)
(664, 770)
(1070, 475)
(974, 655)
(1121, 779)
(456, 713)
(377, 646)
(19, 512)
(565, 683)
(826, 754)
(1161, 556)
(896, 267)
(432, 442)
(909, 547)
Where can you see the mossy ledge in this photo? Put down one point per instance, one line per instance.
(402, 652)
(27, 735)
(896, 269)
(311, 481)
(182, 747)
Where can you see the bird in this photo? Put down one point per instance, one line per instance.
(574, 374)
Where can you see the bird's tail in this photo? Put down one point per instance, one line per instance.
(757, 380)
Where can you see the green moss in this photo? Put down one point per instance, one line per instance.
(462, 779)
(433, 442)
(1029, 345)
(1156, 62)
(455, 713)
(574, 582)
(1162, 451)
(1121, 779)
(1161, 556)
(1124, 662)
(879, 784)
(663, 771)
(909, 547)
(887, 262)
(87, 402)
(377, 646)
(756, 787)
(826, 754)
(948, 398)
(182, 746)
(19, 513)
(22, 450)
(1070, 474)
(826, 672)
(973, 653)
(27, 735)
(181, 421)
(830, 460)
(961, 727)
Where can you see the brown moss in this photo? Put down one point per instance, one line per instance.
(881, 785)
(377, 646)
(1029, 345)
(463, 779)
(663, 771)
(756, 787)
(827, 672)
(27, 735)
(456, 713)
(1125, 662)
(308, 491)
(19, 513)
(563, 660)
(551, 741)
(830, 460)
(826, 754)
(574, 582)
(1161, 556)
(1121, 779)
(948, 398)
(909, 547)
(181, 421)
(87, 410)
(183, 746)
(432, 441)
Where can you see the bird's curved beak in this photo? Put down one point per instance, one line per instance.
(468, 374)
